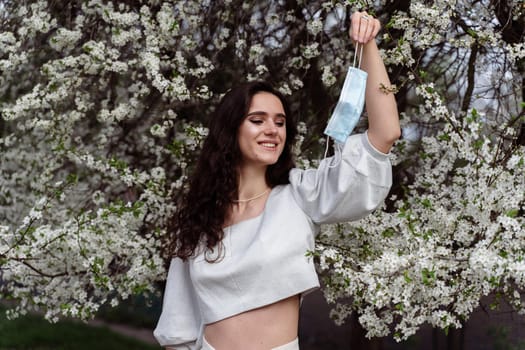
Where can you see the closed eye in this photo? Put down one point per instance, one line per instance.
(279, 117)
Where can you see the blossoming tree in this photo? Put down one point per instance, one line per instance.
(102, 110)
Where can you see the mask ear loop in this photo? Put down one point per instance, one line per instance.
(358, 67)
(360, 55)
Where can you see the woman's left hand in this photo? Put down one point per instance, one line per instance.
(363, 27)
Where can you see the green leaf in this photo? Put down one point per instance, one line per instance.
(494, 281)
(60, 147)
(428, 276)
(478, 144)
(118, 164)
(389, 232)
(474, 116)
(407, 277)
(390, 24)
(444, 137)
(512, 213)
(176, 147)
(72, 178)
(426, 203)
(427, 234)
(472, 33)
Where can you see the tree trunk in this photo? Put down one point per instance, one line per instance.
(456, 338)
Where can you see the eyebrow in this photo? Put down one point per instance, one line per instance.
(281, 115)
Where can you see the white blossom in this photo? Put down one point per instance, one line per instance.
(315, 26)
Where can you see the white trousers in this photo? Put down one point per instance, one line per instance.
(293, 345)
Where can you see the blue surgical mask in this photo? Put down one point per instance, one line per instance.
(350, 105)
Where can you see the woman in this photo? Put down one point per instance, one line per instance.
(249, 217)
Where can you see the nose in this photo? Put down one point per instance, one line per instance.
(271, 128)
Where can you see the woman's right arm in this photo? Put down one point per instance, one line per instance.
(180, 321)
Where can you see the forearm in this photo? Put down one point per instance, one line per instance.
(381, 107)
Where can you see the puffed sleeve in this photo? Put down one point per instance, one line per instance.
(180, 323)
(346, 186)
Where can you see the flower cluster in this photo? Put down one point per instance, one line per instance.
(458, 236)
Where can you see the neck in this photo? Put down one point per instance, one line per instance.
(252, 182)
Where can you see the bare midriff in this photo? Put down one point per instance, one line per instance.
(259, 329)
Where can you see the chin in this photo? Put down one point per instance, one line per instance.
(273, 162)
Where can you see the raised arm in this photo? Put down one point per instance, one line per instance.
(383, 118)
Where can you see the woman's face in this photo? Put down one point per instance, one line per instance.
(262, 134)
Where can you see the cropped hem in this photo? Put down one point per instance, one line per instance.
(267, 300)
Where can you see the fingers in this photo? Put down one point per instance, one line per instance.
(363, 27)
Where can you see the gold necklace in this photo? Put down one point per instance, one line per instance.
(251, 199)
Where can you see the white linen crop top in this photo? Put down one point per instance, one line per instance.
(264, 258)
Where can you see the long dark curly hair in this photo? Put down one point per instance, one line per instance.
(213, 186)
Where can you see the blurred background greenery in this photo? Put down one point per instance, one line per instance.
(34, 332)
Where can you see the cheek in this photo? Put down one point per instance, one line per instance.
(242, 144)
(245, 138)
(247, 130)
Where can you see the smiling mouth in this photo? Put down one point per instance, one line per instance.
(268, 145)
